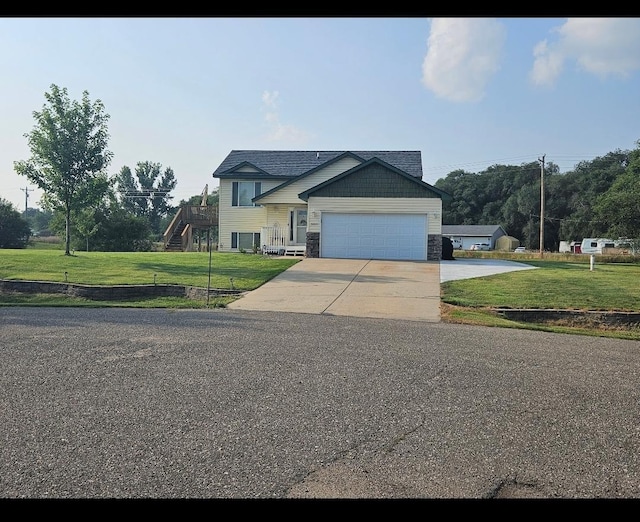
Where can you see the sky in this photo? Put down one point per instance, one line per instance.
(468, 93)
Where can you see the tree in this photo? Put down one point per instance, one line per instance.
(14, 230)
(120, 231)
(86, 224)
(68, 154)
(618, 206)
(212, 199)
(147, 194)
(38, 221)
(110, 227)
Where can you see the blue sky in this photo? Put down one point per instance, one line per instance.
(467, 92)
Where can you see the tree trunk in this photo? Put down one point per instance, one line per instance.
(67, 240)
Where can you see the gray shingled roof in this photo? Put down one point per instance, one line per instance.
(293, 163)
(469, 230)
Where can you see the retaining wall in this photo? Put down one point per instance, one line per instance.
(110, 293)
(573, 317)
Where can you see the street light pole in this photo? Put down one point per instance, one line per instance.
(541, 160)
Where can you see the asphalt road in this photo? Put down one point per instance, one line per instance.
(230, 404)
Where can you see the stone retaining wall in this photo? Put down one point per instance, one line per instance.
(110, 293)
(588, 318)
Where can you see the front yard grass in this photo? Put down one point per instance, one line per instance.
(564, 285)
(228, 271)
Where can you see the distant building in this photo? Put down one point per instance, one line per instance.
(467, 235)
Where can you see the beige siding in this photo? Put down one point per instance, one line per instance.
(289, 194)
(239, 219)
(277, 214)
(430, 206)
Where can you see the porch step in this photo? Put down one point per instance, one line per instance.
(294, 250)
(277, 250)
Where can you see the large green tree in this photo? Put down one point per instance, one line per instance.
(14, 230)
(147, 193)
(619, 206)
(68, 154)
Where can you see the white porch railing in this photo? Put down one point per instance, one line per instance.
(273, 240)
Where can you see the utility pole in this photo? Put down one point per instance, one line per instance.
(541, 160)
(26, 191)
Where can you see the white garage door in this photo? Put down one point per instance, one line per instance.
(374, 236)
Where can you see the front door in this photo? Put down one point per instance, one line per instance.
(298, 221)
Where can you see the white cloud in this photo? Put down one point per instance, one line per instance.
(462, 55)
(269, 98)
(600, 46)
(279, 131)
(547, 65)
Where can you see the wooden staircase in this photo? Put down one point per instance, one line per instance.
(175, 240)
(179, 234)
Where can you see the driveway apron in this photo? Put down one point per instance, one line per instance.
(408, 290)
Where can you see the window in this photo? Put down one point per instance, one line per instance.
(242, 192)
(245, 240)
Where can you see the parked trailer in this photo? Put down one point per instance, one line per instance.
(564, 247)
(594, 245)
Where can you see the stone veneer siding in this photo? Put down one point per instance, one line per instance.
(434, 247)
(313, 244)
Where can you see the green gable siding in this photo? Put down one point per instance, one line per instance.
(374, 181)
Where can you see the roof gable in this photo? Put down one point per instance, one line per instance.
(239, 171)
(308, 173)
(373, 178)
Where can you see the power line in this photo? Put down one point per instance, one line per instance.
(145, 193)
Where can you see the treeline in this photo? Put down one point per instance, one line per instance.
(116, 224)
(598, 198)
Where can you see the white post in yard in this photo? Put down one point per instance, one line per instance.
(592, 262)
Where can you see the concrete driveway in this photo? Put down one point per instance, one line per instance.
(408, 290)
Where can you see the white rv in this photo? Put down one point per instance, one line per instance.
(594, 245)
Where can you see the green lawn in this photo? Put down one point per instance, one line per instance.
(555, 284)
(228, 271)
(561, 281)
(248, 271)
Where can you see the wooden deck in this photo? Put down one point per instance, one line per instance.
(179, 233)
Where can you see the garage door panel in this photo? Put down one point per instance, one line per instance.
(374, 236)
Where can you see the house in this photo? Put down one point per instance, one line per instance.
(467, 235)
(339, 204)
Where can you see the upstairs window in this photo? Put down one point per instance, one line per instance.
(243, 192)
